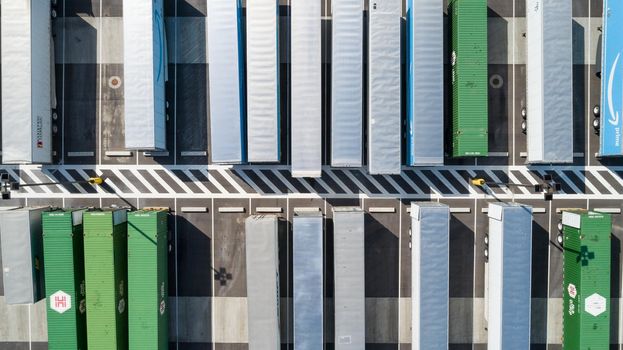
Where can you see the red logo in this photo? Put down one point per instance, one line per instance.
(60, 301)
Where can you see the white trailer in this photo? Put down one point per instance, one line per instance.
(226, 78)
(549, 75)
(145, 73)
(384, 81)
(263, 115)
(425, 109)
(21, 242)
(349, 267)
(306, 89)
(262, 249)
(347, 84)
(26, 58)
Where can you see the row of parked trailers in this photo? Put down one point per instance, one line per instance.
(245, 113)
(106, 276)
(104, 273)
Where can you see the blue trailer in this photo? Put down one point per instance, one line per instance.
(611, 80)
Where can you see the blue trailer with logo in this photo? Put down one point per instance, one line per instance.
(612, 80)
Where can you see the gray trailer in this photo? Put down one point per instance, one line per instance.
(430, 249)
(308, 281)
(262, 249)
(509, 276)
(21, 241)
(349, 271)
(26, 61)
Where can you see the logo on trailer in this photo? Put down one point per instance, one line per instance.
(83, 306)
(595, 305)
(585, 256)
(121, 306)
(163, 307)
(614, 118)
(60, 302)
(573, 292)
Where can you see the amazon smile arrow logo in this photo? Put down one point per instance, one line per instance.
(614, 116)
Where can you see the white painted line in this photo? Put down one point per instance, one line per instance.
(496, 179)
(516, 181)
(461, 210)
(608, 210)
(143, 181)
(196, 181)
(337, 181)
(291, 188)
(193, 153)
(118, 153)
(587, 183)
(498, 154)
(125, 181)
(178, 181)
(231, 210)
(68, 177)
(382, 210)
(161, 181)
(227, 178)
(307, 210)
(80, 154)
(86, 176)
(37, 180)
(429, 183)
(156, 154)
(107, 182)
(566, 180)
(194, 209)
(266, 181)
(249, 182)
(269, 210)
(356, 181)
(603, 181)
(445, 181)
(417, 189)
(528, 176)
(324, 185)
(217, 184)
(534, 210)
(394, 184)
(20, 180)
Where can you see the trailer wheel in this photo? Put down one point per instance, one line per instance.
(524, 126)
(559, 239)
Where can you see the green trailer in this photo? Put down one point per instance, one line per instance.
(65, 286)
(148, 280)
(105, 262)
(470, 124)
(586, 275)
